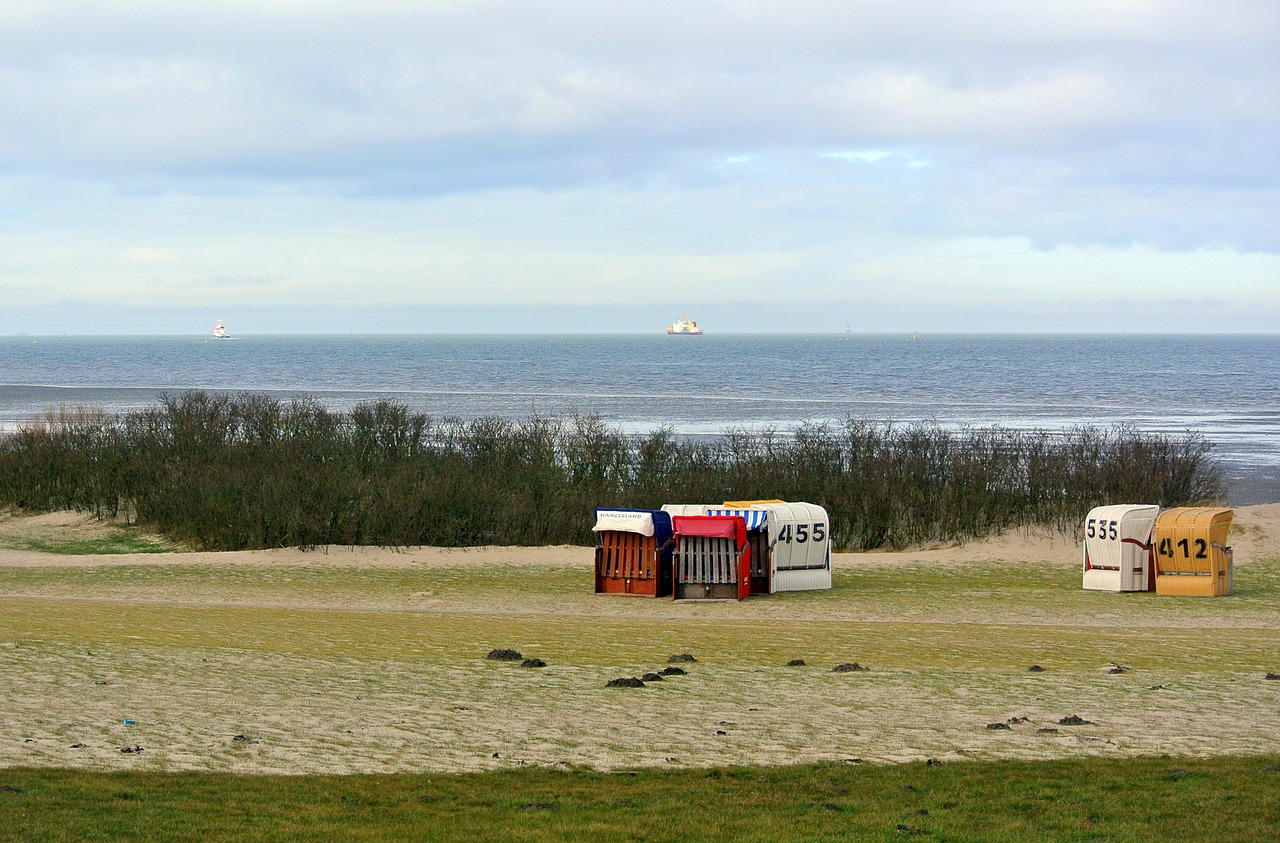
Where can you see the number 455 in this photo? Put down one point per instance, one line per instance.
(803, 533)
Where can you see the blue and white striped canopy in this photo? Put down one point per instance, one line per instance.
(756, 518)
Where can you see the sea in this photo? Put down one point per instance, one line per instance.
(1223, 387)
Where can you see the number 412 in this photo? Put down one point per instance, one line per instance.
(1167, 546)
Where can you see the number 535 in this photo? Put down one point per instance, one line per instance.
(1101, 528)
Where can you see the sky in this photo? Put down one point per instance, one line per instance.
(309, 166)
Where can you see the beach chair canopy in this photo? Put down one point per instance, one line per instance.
(711, 526)
(626, 520)
(757, 519)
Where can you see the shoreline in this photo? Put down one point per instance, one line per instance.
(1252, 485)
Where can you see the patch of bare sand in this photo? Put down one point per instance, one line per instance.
(322, 557)
(230, 711)
(79, 524)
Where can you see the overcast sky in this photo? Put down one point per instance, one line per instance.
(312, 166)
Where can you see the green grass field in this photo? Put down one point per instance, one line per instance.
(1165, 799)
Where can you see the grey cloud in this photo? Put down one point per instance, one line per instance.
(1035, 115)
(682, 75)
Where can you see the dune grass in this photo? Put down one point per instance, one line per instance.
(116, 540)
(1165, 799)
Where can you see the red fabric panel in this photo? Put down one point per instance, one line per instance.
(712, 526)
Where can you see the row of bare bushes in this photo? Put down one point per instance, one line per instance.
(225, 472)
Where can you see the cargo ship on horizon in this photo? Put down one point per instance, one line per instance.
(685, 326)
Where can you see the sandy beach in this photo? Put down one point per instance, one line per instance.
(343, 660)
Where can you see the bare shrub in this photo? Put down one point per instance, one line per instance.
(248, 471)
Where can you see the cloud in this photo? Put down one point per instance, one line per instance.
(450, 151)
(144, 255)
(598, 93)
